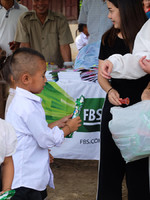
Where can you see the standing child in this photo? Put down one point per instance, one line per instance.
(34, 135)
(82, 39)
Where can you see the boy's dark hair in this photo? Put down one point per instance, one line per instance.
(26, 50)
(22, 60)
(80, 27)
(132, 17)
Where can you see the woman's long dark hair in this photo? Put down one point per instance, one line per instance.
(132, 17)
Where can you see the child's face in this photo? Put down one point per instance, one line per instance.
(38, 80)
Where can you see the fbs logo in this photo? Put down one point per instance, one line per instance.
(91, 114)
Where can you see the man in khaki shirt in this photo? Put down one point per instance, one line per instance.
(46, 32)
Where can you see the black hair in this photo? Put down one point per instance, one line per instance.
(132, 17)
(81, 26)
(26, 50)
(22, 60)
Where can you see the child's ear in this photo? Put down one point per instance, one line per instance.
(25, 78)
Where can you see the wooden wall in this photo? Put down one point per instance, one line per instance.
(70, 8)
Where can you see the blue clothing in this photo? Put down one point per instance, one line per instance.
(148, 14)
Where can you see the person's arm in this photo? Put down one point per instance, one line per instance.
(7, 173)
(66, 52)
(22, 34)
(65, 38)
(49, 137)
(128, 66)
(113, 95)
(61, 122)
(71, 126)
(145, 64)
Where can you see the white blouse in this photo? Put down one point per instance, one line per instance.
(8, 140)
(127, 66)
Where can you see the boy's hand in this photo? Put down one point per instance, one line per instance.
(72, 125)
(61, 122)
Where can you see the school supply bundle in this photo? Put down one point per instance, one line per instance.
(78, 105)
(7, 195)
(130, 128)
(89, 74)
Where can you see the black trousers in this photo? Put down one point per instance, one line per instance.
(24, 193)
(113, 168)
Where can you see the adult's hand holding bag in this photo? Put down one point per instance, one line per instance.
(130, 128)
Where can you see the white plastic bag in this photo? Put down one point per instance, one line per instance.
(130, 128)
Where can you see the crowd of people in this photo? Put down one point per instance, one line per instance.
(29, 39)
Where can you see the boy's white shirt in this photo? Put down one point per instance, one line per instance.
(31, 160)
(127, 66)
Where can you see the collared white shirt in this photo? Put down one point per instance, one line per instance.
(8, 24)
(8, 140)
(81, 41)
(127, 66)
(31, 160)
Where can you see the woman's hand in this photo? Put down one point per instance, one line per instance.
(105, 68)
(145, 64)
(114, 97)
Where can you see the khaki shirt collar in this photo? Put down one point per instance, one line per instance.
(50, 16)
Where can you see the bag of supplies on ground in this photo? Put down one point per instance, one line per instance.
(130, 128)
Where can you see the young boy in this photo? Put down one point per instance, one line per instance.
(82, 39)
(34, 135)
